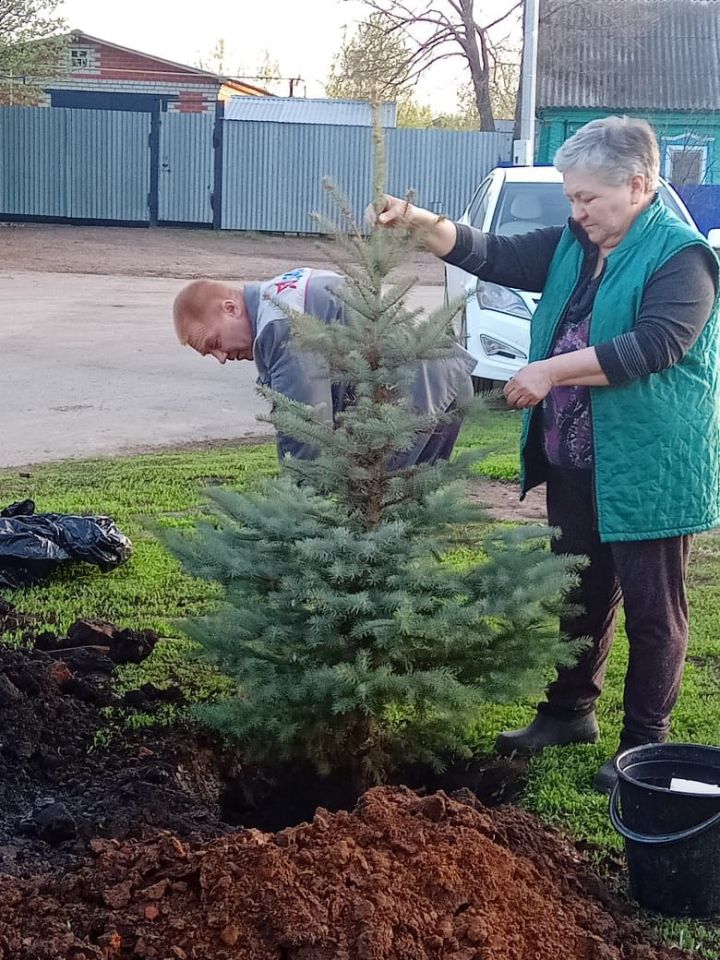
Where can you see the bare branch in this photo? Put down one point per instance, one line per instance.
(444, 56)
(456, 7)
(437, 30)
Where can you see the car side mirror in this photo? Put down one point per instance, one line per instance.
(714, 238)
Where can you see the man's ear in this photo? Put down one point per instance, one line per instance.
(229, 307)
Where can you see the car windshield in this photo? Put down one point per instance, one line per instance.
(531, 206)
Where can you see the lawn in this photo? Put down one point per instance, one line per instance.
(152, 591)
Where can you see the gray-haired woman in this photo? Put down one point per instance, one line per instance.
(622, 399)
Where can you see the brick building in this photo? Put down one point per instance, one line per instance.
(106, 76)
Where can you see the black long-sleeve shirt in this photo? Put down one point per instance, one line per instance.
(675, 307)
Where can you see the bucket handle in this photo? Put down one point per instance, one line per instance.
(654, 839)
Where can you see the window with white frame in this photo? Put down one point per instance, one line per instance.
(79, 58)
(685, 159)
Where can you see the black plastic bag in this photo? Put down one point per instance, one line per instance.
(32, 545)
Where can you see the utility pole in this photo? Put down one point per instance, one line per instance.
(293, 81)
(524, 148)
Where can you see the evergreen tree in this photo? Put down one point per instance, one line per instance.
(353, 643)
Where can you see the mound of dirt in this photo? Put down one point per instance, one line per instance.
(402, 877)
(126, 850)
(58, 787)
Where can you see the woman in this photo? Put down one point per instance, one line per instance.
(622, 400)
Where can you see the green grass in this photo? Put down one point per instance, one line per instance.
(495, 433)
(152, 591)
(166, 488)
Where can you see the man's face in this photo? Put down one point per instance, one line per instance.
(225, 333)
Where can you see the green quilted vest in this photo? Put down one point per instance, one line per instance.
(656, 439)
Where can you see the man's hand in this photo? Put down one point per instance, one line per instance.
(529, 386)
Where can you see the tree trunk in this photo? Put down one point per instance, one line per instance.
(478, 67)
(518, 102)
(484, 104)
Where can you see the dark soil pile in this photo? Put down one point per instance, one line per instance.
(125, 851)
(57, 788)
(402, 877)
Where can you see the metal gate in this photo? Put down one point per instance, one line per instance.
(74, 164)
(186, 168)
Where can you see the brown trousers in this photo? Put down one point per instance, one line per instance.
(649, 578)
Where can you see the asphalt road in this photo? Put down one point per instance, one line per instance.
(91, 367)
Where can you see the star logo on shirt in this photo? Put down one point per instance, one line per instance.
(288, 281)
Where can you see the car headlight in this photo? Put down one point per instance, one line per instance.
(498, 348)
(491, 296)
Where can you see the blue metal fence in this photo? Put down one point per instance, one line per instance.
(443, 167)
(273, 173)
(75, 164)
(121, 166)
(32, 149)
(187, 168)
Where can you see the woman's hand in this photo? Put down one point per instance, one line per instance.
(395, 212)
(529, 386)
(437, 233)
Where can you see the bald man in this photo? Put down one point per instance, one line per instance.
(229, 322)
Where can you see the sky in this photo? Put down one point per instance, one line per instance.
(302, 35)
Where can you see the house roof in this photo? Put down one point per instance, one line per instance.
(354, 113)
(629, 54)
(170, 66)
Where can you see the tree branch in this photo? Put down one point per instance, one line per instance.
(494, 23)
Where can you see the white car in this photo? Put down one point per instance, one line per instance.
(495, 323)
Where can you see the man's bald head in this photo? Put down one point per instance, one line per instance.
(196, 305)
(210, 317)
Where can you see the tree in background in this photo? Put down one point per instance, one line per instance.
(265, 71)
(504, 91)
(372, 64)
(33, 47)
(216, 60)
(268, 68)
(352, 641)
(434, 31)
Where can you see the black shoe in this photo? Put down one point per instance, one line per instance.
(548, 731)
(606, 777)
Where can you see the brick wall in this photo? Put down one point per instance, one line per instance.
(103, 68)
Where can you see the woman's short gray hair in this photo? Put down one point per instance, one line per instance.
(615, 149)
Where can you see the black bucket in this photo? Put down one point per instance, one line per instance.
(672, 837)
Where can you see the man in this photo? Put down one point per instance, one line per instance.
(250, 323)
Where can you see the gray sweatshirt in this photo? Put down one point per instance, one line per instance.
(304, 377)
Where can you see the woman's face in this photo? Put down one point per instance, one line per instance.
(605, 212)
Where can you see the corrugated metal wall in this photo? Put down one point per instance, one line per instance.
(442, 167)
(33, 181)
(108, 165)
(187, 159)
(92, 164)
(272, 173)
(104, 165)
